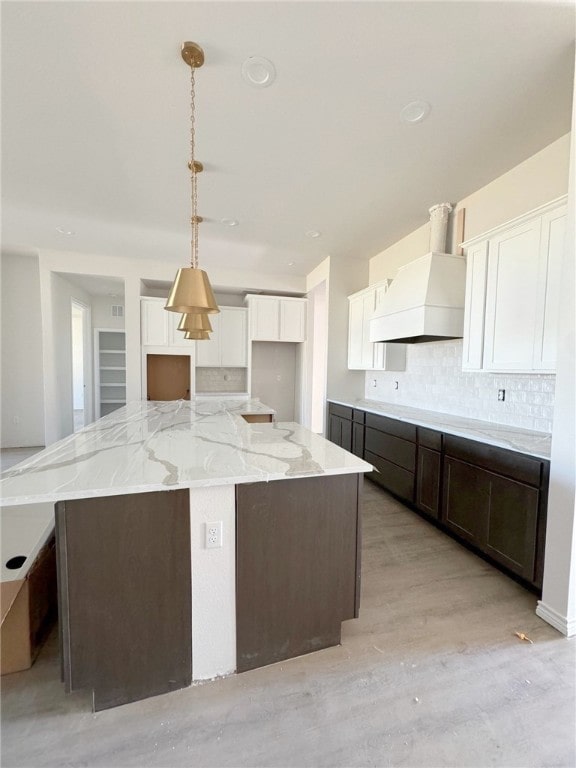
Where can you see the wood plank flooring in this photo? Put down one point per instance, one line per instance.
(431, 674)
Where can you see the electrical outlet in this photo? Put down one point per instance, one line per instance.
(395, 385)
(374, 382)
(213, 535)
(501, 395)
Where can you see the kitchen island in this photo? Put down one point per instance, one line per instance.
(192, 544)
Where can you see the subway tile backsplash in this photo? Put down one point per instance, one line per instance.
(434, 380)
(221, 380)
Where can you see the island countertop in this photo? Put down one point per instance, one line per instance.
(158, 446)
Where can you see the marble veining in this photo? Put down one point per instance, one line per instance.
(149, 446)
(514, 438)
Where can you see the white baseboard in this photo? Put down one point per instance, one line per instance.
(561, 623)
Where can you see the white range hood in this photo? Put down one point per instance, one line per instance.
(424, 303)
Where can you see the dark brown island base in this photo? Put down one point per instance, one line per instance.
(124, 572)
(493, 500)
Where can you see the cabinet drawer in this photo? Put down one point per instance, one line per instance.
(392, 426)
(394, 449)
(429, 438)
(517, 466)
(340, 410)
(359, 416)
(392, 477)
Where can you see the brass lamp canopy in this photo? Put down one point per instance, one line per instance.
(191, 293)
(199, 322)
(197, 335)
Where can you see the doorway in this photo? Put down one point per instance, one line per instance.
(80, 365)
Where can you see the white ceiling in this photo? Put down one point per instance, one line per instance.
(96, 121)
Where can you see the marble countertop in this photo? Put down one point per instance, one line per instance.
(515, 439)
(158, 446)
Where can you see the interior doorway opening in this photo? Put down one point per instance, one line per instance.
(80, 354)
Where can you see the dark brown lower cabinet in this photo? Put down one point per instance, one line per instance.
(297, 566)
(124, 582)
(428, 474)
(497, 514)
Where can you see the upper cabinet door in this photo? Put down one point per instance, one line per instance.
(264, 320)
(176, 337)
(233, 337)
(292, 320)
(154, 322)
(474, 306)
(550, 266)
(356, 334)
(208, 350)
(511, 298)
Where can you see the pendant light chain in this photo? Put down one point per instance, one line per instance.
(193, 177)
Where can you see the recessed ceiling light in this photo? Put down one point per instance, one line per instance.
(291, 263)
(230, 222)
(415, 112)
(313, 233)
(64, 231)
(258, 71)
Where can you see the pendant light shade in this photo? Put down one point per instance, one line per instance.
(191, 293)
(197, 335)
(199, 322)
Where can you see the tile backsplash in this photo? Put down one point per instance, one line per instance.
(221, 380)
(434, 380)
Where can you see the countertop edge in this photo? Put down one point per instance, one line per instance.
(382, 410)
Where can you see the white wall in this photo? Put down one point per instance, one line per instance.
(558, 604)
(434, 380)
(22, 364)
(102, 312)
(346, 277)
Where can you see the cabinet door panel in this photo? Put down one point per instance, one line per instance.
(154, 322)
(298, 566)
(346, 440)
(513, 518)
(233, 338)
(208, 350)
(428, 481)
(176, 337)
(335, 429)
(358, 439)
(124, 574)
(355, 321)
(292, 320)
(511, 297)
(551, 253)
(466, 500)
(474, 306)
(264, 319)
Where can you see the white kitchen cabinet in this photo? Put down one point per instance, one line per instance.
(363, 354)
(159, 328)
(228, 343)
(276, 318)
(550, 266)
(512, 286)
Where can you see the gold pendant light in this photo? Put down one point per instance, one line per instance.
(197, 335)
(196, 322)
(191, 292)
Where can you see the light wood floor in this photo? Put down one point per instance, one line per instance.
(431, 674)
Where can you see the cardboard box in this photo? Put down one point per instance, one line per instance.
(29, 608)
